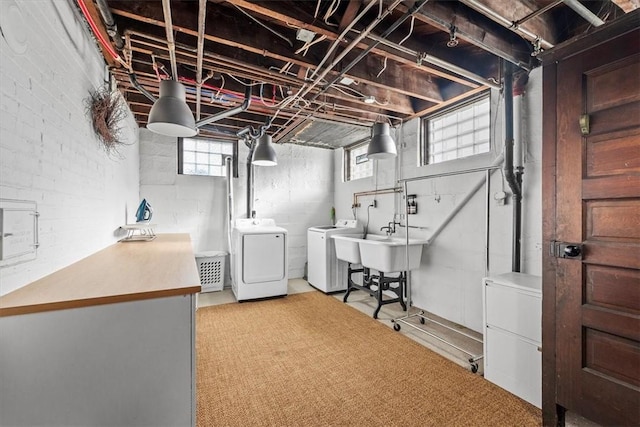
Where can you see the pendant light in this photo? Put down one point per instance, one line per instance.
(382, 145)
(170, 114)
(264, 154)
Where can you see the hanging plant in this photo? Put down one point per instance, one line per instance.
(107, 110)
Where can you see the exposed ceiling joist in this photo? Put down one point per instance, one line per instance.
(446, 53)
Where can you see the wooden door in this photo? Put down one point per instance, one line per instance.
(591, 339)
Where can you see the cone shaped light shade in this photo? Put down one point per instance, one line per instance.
(264, 154)
(170, 114)
(382, 145)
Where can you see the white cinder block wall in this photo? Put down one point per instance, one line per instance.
(297, 193)
(448, 282)
(48, 151)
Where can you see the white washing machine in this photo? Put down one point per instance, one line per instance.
(325, 271)
(259, 260)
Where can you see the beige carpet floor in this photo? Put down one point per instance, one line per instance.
(310, 360)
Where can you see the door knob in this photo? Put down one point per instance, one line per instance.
(572, 251)
(566, 250)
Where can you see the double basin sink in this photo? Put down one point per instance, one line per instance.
(382, 253)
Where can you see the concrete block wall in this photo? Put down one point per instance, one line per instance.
(297, 193)
(48, 150)
(448, 283)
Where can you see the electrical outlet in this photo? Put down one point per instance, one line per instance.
(374, 203)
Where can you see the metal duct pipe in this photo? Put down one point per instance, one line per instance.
(134, 83)
(496, 17)
(513, 179)
(112, 29)
(166, 8)
(581, 10)
(228, 113)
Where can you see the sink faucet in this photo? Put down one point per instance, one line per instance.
(391, 227)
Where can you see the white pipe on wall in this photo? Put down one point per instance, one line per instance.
(518, 150)
(228, 162)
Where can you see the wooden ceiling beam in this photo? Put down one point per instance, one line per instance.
(361, 72)
(513, 11)
(288, 20)
(627, 5)
(480, 32)
(396, 103)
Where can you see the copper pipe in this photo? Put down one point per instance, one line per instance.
(374, 193)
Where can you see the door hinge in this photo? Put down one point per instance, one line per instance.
(584, 124)
(565, 250)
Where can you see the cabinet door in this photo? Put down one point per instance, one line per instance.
(514, 311)
(514, 364)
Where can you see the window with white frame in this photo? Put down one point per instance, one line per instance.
(357, 164)
(201, 156)
(461, 131)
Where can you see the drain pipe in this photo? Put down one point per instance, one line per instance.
(514, 179)
(228, 163)
(252, 146)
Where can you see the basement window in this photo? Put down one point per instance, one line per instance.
(200, 156)
(357, 164)
(461, 131)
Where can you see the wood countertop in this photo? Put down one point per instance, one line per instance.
(124, 271)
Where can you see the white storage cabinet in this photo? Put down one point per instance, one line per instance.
(512, 330)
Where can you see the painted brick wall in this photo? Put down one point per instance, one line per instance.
(48, 151)
(448, 283)
(297, 193)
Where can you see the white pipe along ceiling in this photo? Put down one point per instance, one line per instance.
(328, 68)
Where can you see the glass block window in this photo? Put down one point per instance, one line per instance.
(357, 163)
(200, 156)
(462, 131)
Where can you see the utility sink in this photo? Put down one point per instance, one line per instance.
(347, 247)
(382, 253)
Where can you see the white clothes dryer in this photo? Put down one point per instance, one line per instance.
(325, 271)
(259, 259)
